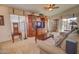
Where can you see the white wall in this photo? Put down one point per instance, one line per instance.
(5, 31)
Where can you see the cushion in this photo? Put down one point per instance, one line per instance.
(59, 39)
(49, 48)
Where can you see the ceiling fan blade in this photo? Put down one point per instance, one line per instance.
(55, 7)
(53, 4)
(46, 7)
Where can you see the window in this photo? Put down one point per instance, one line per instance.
(66, 26)
(21, 21)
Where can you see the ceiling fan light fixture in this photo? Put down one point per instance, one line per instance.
(50, 9)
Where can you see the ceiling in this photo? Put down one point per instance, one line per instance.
(39, 8)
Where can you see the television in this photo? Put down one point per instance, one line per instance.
(39, 24)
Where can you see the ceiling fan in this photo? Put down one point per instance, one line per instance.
(50, 7)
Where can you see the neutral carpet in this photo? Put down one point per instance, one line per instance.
(20, 46)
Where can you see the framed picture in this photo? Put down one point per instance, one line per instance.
(1, 20)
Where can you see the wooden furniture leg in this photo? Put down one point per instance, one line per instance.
(13, 38)
(20, 36)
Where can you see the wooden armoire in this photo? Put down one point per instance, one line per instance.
(31, 32)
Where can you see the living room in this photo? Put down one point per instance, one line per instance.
(27, 29)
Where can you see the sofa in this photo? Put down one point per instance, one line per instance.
(57, 45)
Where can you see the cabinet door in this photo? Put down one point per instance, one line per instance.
(31, 30)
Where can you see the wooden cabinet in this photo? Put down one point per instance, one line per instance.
(32, 32)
